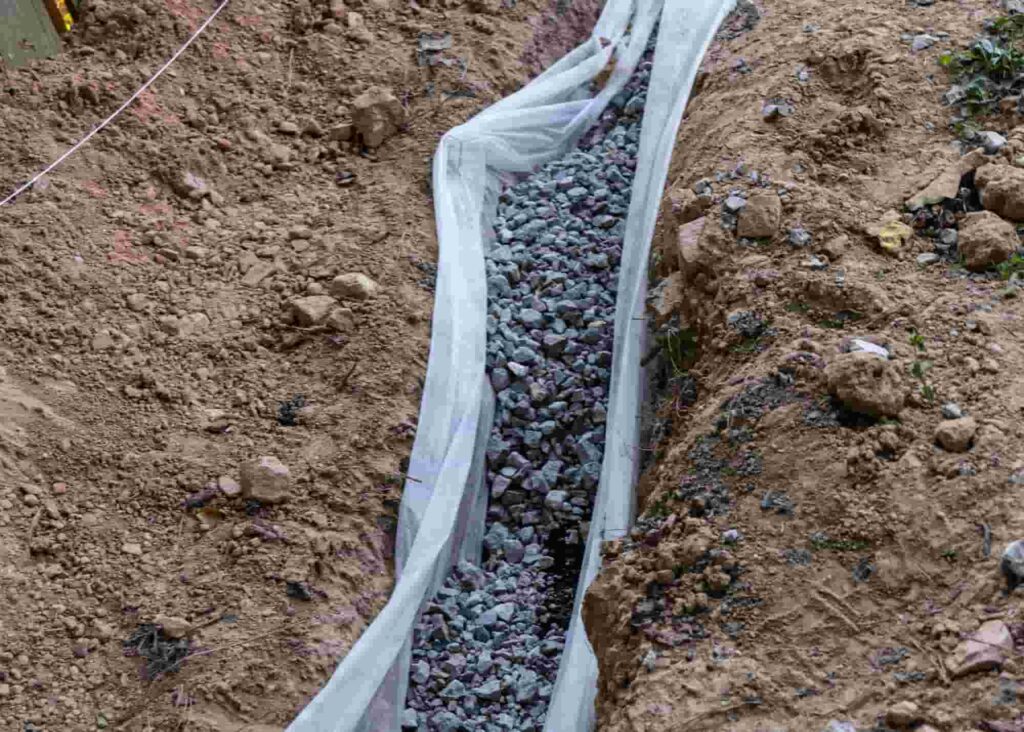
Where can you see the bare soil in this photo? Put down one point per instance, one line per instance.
(142, 361)
(869, 546)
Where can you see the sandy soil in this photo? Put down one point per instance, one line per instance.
(870, 547)
(149, 349)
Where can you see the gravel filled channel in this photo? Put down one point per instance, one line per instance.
(487, 648)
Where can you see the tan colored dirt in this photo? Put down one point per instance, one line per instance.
(167, 291)
(862, 571)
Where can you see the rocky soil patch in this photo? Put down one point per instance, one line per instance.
(823, 518)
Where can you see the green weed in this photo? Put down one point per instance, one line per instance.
(840, 545)
(840, 319)
(920, 368)
(1012, 266)
(680, 348)
(987, 71)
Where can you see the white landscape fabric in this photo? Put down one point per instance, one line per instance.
(686, 29)
(442, 512)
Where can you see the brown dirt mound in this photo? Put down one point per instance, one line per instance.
(168, 315)
(798, 562)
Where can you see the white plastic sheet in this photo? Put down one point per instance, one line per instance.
(441, 516)
(685, 31)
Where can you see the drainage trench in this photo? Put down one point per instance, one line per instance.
(486, 649)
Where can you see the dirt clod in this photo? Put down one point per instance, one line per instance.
(985, 240)
(865, 383)
(761, 216)
(903, 715)
(1002, 190)
(173, 627)
(956, 435)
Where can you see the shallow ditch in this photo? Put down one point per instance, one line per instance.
(486, 650)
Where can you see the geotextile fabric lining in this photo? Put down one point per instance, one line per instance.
(441, 519)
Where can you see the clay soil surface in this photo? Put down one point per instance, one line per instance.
(819, 540)
(149, 346)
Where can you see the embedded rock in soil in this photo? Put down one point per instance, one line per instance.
(992, 141)
(956, 435)
(376, 115)
(903, 715)
(945, 186)
(986, 649)
(265, 479)
(865, 383)
(686, 206)
(172, 627)
(986, 240)
(1011, 565)
(312, 310)
(353, 286)
(761, 217)
(1002, 190)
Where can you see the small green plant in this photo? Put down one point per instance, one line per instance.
(659, 508)
(841, 318)
(987, 71)
(680, 348)
(839, 545)
(747, 345)
(798, 307)
(1012, 266)
(949, 555)
(920, 368)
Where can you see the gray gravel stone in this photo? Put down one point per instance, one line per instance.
(409, 719)
(951, 411)
(992, 141)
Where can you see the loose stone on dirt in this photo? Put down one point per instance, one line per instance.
(377, 115)
(986, 240)
(312, 310)
(353, 286)
(761, 216)
(1011, 565)
(956, 435)
(986, 649)
(266, 479)
(1002, 190)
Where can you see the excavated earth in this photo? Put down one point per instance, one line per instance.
(241, 268)
(171, 311)
(834, 456)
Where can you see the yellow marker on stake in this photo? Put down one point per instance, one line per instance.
(59, 14)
